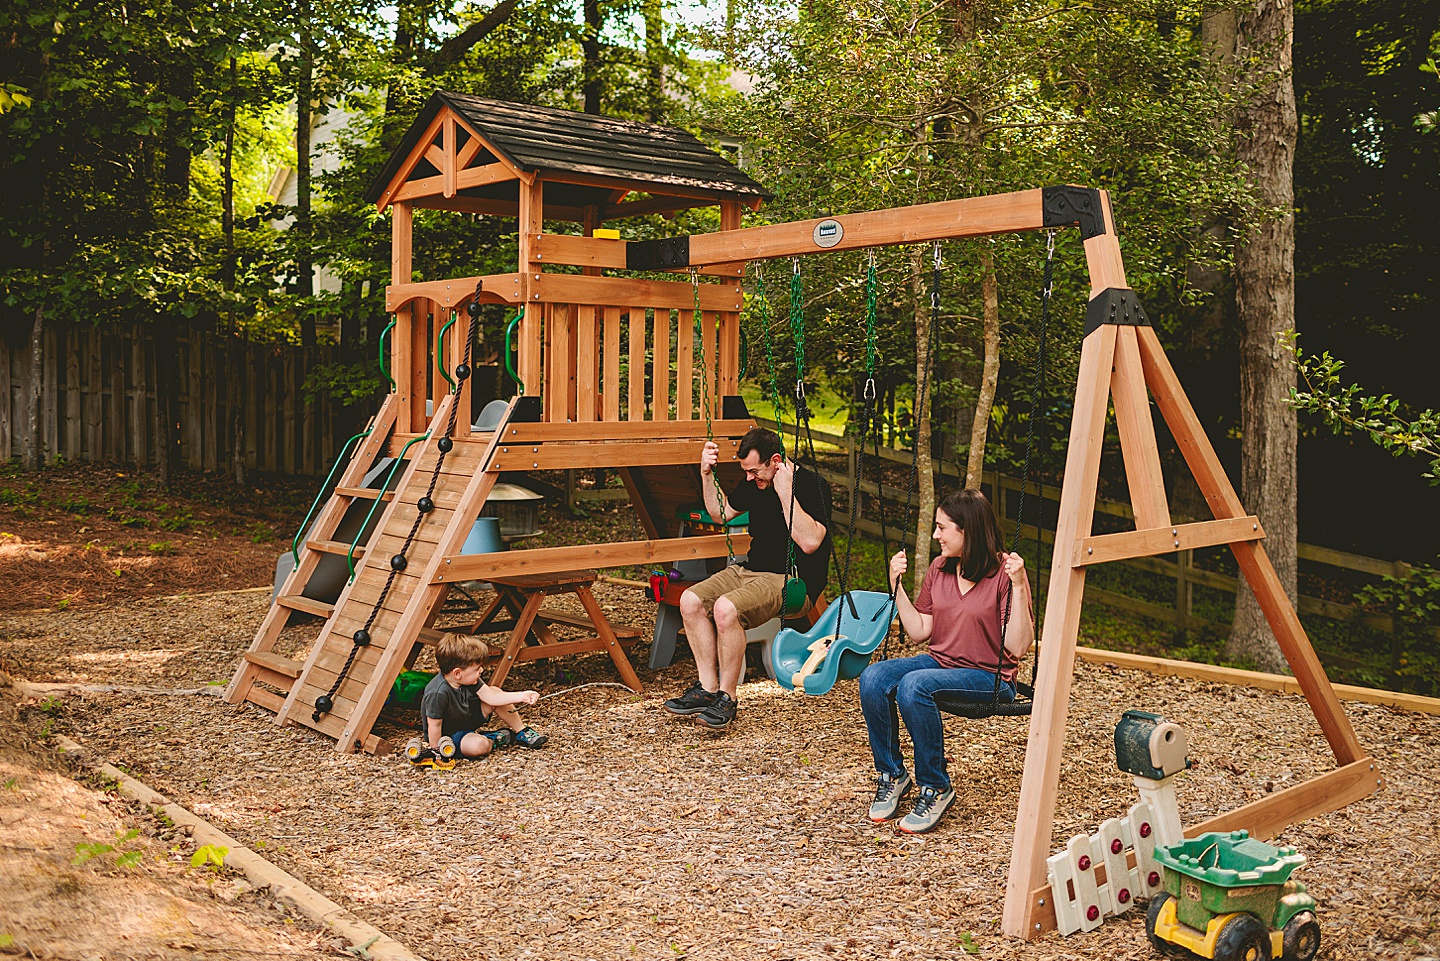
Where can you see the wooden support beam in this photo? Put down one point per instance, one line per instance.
(606, 254)
(692, 431)
(550, 560)
(448, 168)
(422, 146)
(495, 208)
(1035, 817)
(472, 177)
(495, 289)
(1147, 543)
(609, 454)
(948, 219)
(603, 291)
(1254, 562)
(1137, 434)
(532, 329)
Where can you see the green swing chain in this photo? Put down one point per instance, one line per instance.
(707, 390)
(770, 352)
(802, 413)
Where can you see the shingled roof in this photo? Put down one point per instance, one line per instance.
(531, 138)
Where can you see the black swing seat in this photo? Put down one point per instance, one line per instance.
(977, 710)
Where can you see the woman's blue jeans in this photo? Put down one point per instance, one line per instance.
(911, 684)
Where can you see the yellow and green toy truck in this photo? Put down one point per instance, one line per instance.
(1230, 898)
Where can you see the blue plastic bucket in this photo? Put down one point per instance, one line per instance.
(484, 537)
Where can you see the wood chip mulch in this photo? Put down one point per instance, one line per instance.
(633, 835)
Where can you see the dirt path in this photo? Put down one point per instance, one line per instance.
(635, 836)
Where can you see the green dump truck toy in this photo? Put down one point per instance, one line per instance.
(1230, 898)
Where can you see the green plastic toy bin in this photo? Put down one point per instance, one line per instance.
(1223, 873)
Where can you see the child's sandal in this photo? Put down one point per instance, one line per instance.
(530, 738)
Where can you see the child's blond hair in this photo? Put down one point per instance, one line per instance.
(460, 651)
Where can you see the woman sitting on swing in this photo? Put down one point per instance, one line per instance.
(963, 610)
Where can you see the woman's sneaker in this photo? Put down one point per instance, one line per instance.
(692, 701)
(531, 738)
(889, 790)
(929, 806)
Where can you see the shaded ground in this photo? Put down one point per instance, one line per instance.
(632, 835)
(90, 534)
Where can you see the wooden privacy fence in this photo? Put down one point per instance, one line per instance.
(99, 399)
(1179, 566)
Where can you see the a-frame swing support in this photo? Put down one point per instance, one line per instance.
(1121, 363)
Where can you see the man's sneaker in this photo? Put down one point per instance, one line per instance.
(929, 806)
(720, 715)
(692, 701)
(888, 792)
(531, 738)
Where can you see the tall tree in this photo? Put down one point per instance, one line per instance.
(1265, 299)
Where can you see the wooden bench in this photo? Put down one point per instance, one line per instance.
(517, 608)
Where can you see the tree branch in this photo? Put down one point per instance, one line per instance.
(457, 46)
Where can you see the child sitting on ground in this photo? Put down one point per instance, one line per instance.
(456, 703)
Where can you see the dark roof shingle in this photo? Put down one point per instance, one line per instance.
(535, 138)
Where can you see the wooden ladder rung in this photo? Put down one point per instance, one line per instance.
(299, 602)
(368, 493)
(278, 663)
(335, 547)
(269, 700)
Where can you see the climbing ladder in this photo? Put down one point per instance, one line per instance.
(264, 677)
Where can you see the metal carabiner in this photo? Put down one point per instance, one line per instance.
(869, 393)
(937, 255)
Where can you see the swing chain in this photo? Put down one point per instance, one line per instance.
(708, 389)
(769, 351)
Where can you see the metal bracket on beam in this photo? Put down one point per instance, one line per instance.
(1115, 305)
(1067, 206)
(669, 253)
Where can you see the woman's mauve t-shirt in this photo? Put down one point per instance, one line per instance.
(967, 626)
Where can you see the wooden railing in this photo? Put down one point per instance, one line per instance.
(636, 362)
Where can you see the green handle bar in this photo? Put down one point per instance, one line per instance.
(440, 352)
(744, 354)
(305, 524)
(509, 338)
(383, 368)
(350, 557)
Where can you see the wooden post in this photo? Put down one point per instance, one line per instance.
(532, 328)
(1035, 816)
(50, 381)
(117, 417)
(6, 436)
(139, 408)
(728, 374)
(210, 383)
(402, 219)
(74, 424)
(94, 400)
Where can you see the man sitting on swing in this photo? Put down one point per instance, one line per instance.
(782, 499)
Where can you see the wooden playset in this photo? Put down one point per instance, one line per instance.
(609, 380)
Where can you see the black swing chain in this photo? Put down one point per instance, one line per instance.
(424, 505)
(802, 413)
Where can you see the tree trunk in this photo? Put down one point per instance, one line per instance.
(1265, 298)
(979, 427)
(304, 98)
(235, 366)
(924, 468)
(590, 53)
(655, 59)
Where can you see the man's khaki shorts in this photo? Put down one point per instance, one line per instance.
(755, 594)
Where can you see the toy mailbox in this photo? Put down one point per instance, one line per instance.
(1153, 751)
(1148, 746)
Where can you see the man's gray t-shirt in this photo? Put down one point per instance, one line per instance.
(458, 708)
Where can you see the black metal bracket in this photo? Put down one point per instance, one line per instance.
(527, 410)
(732, 407)
(1115, 305)
(669, 253)
(1068, 205)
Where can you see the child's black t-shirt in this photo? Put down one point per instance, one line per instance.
(458, 708)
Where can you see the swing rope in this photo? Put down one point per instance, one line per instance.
(708, 390)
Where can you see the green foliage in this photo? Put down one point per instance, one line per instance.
(1343, 408)
(348, 383)
(52, 706)
(1412, 599)
(211, 856)
(87, 851)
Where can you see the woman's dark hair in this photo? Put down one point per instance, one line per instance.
(971, 512)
